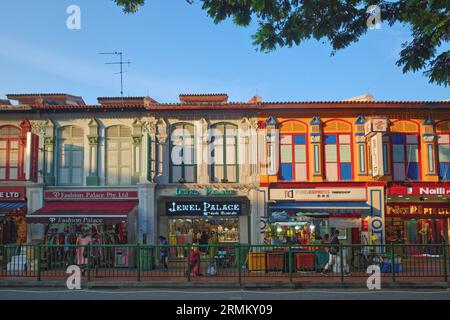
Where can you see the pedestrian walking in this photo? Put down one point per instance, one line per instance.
(333, 252)
(163, 254)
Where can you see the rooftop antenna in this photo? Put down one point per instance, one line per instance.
(121, 63)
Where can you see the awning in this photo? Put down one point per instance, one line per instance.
(7, 207)
(291, 209)
(83, 212)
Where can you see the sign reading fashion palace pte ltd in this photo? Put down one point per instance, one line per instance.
(319, 194)
(12, 193)
(203, 208)
(90, 195)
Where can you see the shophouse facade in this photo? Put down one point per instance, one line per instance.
(376, 171)
(253, 172)
(108, 168)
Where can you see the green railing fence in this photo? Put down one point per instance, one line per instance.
(240, 263)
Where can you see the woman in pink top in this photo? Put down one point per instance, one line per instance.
(82, 241)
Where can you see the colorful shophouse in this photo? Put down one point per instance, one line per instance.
(331, 164)
(108, 168)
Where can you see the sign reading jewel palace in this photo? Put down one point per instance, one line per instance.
(203, 208)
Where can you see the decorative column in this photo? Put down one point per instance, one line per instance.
(361, 147)
(35, 201)
(203, 141)
(256, 214)
(136, 158)
(93, 179)
(150, 165)
(49, 145)
(243, 151)
(25, 127)
(272, 141)
(316, 141)
(147, 221)
(429, 152)
(163, 156)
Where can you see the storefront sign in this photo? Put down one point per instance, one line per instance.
(12, 194)
(375, 125)
(376, 150)
(90, 195)
(319, 194)
(76, 220)
(203, 208)
(425, 210)
(206, 192)
(420, 190)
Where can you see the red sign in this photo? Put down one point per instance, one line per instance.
(12, 194)
(420, 210)
(421, 190)
(365, 226)
(90, 195)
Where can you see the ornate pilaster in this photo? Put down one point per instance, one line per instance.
(49, 146)
(136, 157)
(316, 140)
(93, 178)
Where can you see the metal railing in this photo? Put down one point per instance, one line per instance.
(237, 263)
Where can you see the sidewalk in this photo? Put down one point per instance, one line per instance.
(229, 282)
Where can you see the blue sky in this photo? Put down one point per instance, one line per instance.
(175, 48)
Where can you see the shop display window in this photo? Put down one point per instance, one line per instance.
(305, 231)
(415, 231)
(189, 231)
(69, 233)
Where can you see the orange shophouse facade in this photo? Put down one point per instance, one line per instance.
(334, 165)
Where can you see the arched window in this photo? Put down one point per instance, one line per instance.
(118, 155)
(182, 153)
(224, 164)
(443, 132)
(293, 151)
(338, 150)
(405, 141)
(10, 153)
(71, 156)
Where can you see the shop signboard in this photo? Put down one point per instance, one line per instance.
(76, 220)
(320, 194)
(373, 126)
(376, 151)
(90, 195)
(421, 190)
(425, 210)
(203, 208)
(12, 194)
(206, 191)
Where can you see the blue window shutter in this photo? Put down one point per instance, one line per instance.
(413, 171)
(346, 171)
(286, 171)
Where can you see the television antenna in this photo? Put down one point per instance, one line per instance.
(121, 63)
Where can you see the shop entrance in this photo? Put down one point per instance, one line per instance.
(204, 231)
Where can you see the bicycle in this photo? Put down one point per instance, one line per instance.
(361, 259)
